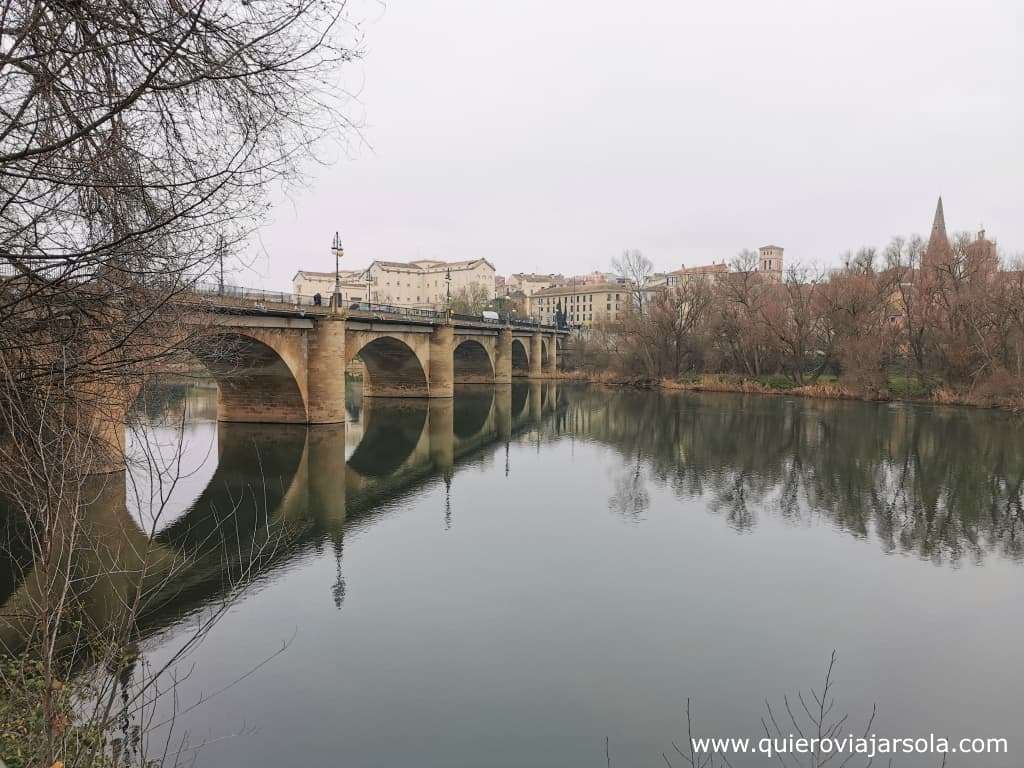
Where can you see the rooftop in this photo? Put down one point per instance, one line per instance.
(565, 290)
(428, 265)
(345, 274)
(702, 269)
(533, 277)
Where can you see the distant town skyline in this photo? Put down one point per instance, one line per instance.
(550, 138)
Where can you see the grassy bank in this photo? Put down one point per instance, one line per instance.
(898, 388)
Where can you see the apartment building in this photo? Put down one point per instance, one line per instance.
(584, 304)
(308, 283)
(422, 283)
(529, 283)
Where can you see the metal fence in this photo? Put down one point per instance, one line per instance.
(261, 296)
(394, 310)
(254, 294)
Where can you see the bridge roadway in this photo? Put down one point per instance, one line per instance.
(244, 524)
(281, 359)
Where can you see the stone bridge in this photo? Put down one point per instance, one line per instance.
(278, 362)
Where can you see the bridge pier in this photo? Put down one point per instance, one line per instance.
(441, 377)
(325, 372)
(551, 360)
(503, 357)
(108, 435)
(536, 356)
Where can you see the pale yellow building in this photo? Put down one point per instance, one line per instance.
(584, 305)
(308, 283)
(422, 283)
(707, 272)
(529, 283)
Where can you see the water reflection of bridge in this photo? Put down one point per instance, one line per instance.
(278, 490)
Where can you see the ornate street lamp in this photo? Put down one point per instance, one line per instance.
(448, 291)
(338, 253)
(220, 258)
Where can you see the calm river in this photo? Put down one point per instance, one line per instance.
(512, 577)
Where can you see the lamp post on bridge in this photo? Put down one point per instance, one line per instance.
(220, 258)
(338, 253)
(448, 293)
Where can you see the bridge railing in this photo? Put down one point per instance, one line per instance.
(261, 296)
(254, 294)
(477, 318)
(393, 310)
(522, 322)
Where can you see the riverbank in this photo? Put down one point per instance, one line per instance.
(898, 389)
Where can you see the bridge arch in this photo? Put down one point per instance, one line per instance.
(260, 376)
(520, 358)
(393, 368)
(472, 363)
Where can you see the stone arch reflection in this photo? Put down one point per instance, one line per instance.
(520, 396)
(472, 409)
(279, 489)
(257, 464)
(392, 430)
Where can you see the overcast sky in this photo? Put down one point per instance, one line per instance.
(549, 135)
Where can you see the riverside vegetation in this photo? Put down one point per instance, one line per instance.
(886, 325)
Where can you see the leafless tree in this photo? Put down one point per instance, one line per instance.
(635, 269)
(470, 300)
(138, 141)
(812, 716)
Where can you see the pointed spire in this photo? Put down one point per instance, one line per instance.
(939, 222)
(939, 251)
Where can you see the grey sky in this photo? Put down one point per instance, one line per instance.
(549, 135)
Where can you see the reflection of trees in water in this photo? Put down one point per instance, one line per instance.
(630, 497)
(163, 399)
(945, 484)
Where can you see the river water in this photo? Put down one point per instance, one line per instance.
(513, 577)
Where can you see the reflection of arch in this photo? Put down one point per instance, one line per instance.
(255, 382)
(472, 408)
(520, 399)
(256, 464)
(520, 359)
(472, 363)
(391, 431)
(392, 369)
